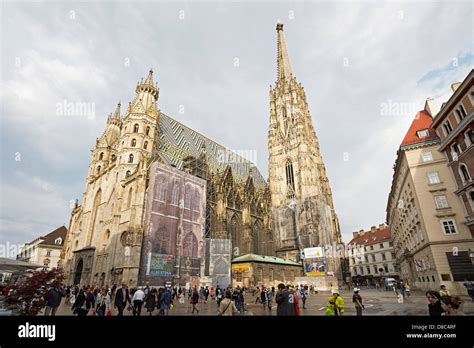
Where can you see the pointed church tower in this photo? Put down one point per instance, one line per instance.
(105, 149)
(301, 200)
(140, 126)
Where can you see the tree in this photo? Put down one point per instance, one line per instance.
(29, 295)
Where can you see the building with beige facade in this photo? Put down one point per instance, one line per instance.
(424, 213)
(44, 250)
(377, 260)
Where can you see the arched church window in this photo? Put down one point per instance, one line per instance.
(127, 174)
(147, 132)
(98, 169)
(135, 128)
(145, 145)
(130, 158)
(101, 156)
(114, 158)
(134, 142)
(290, 178)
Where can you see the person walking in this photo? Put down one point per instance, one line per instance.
(206, 294)
(242, 301)
(79, 307)
(150, 301)
(195, 300)
(90, 301)
(53, 300)
(137, 300)
(285, 301)
(122, 296)
(227, 306)
(103, 303)
(218, 296)
(434, 304)
(263, 298)
(269, 299)
(407, 290)
(165, 301)
(303, 295)
(357, 300)
(257, 298)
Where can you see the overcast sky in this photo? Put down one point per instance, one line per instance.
(366, 67)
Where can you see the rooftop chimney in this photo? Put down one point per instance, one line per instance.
(455, 86)
(372, 229)
(429, 106)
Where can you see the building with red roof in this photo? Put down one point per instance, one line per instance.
(424, 214)
(371, 256)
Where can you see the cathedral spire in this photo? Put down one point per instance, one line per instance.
(283, 59)
(145, 97)
(117, 112)
(115, 117)
(149, 79)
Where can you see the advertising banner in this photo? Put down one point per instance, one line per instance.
(312, 253)
(315, 267)
(160, 265)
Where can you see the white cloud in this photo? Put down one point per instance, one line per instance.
(391, 48)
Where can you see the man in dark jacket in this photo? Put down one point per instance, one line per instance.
(122, 296)
(53, 300)
(285, 300)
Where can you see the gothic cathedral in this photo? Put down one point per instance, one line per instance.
(302, 214)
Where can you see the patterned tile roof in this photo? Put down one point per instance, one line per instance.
(178, 141)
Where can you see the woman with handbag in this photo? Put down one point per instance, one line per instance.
(227, 306)
(103, 300)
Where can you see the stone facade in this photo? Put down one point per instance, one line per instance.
(104, 243)
(424, 213)
(454, 125)
(105, 238)
(303, 214)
